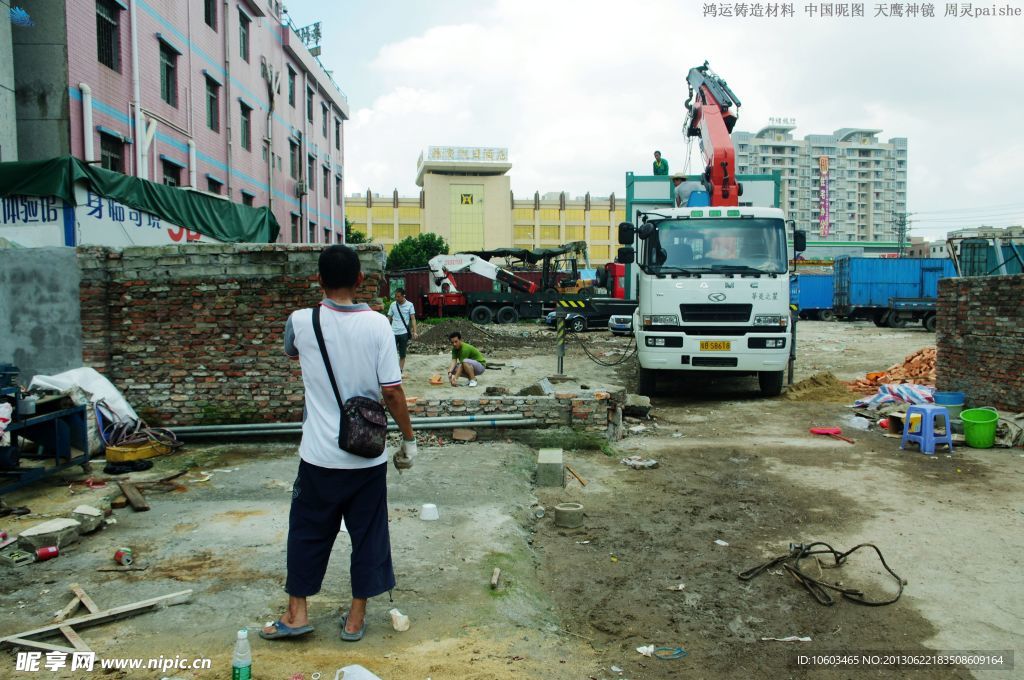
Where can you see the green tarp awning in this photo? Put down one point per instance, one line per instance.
(213, 217)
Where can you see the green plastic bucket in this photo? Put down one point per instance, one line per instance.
(980, 427)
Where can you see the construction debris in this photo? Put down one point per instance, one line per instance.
(917, 368)
(59, 532)
(640, 463)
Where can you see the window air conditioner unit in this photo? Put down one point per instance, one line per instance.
(301, 189)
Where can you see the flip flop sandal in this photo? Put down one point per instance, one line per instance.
(283, 631)
(352, 637)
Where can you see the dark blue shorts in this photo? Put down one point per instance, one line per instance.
(321, 498)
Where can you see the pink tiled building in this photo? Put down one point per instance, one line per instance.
(220, 96)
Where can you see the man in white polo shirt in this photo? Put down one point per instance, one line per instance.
(334, 485)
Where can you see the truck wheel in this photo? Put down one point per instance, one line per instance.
(770, 382)
(481, 314)
(896, 322)
(646, 383)
(826, 315)
(507, 315)
(578, 324)
(929, 322)
(881, 319)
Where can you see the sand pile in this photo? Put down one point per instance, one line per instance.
(821, 387)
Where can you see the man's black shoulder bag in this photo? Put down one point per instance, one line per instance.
(364, 423)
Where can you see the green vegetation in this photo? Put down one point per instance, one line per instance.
(416, 251)
(353, 236)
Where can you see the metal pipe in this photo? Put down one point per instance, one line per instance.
(193, 170)
(140, 169)
(415, 421)
(87, 141)
(526, 422)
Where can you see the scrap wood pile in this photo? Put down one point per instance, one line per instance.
(918, 368)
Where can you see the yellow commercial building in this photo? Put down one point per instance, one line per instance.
(466, 198)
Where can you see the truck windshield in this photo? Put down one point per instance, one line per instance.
(729, 246)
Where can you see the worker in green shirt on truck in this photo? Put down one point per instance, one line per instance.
(466, 361)
(660, 164)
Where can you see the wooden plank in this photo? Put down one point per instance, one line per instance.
(119, 502)
(103, 616)
(86, 600)
(38, 645)
(68, 609)
(73, 638)
(134, 496)
(576, 475)
(495, 577)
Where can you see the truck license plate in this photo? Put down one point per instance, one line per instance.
(715, 345)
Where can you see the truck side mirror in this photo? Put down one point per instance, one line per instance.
(627, 232)
(800, 241)
(626, 255)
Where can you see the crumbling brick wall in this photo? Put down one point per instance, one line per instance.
(192, 334)
(980, 340)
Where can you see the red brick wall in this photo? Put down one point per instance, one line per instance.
(193, 334)
(980, 340)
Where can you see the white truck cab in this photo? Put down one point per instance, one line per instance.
(712, 288)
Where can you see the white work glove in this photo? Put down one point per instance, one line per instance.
(403, 458)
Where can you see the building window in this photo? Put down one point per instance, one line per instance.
(309, 105)
(327, 182)
(312, 231)
(172, 174)
(214, 186)
(210, 13)
(168, 74)
(337, 134)
(246, 128)
(108, 34)
(293, 159)
(327, 234)
(291, 87)
(243, 35)
(324, 126)
(295, 228)
(247, 199)
(311, 173)
(337, 189)
(212, 105)
(111, 152)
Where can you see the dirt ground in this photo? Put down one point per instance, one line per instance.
(577, 603)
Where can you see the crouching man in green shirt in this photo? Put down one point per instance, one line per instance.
(466, 361)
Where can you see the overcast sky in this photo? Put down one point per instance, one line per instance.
(581, 92)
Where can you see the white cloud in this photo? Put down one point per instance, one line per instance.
(581, 92)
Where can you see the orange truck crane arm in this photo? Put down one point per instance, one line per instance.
(710, 116)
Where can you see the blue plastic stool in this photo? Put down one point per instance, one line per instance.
(926, 438)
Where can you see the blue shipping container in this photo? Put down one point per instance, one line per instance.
(814, 292)
(865, 283)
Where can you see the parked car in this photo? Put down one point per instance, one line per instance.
(621, 324)
(574, 321)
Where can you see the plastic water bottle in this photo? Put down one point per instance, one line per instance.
(241, 662)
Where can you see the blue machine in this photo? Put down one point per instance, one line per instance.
(55, 440)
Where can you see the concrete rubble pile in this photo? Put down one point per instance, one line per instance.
(918, 368)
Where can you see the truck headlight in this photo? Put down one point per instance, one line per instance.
(661, 320)
(771, 320)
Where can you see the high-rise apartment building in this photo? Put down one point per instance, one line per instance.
(846, 186)
(222, 97)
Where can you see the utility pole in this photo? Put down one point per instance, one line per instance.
(901, 232)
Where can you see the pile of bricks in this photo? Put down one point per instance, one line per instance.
(917, 368)
(981, 340)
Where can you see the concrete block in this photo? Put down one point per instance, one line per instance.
(462, 434)
(550, 469)
(59, 532)
(637, 406)
(90, 518)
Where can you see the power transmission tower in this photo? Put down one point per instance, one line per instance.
(901, 232)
